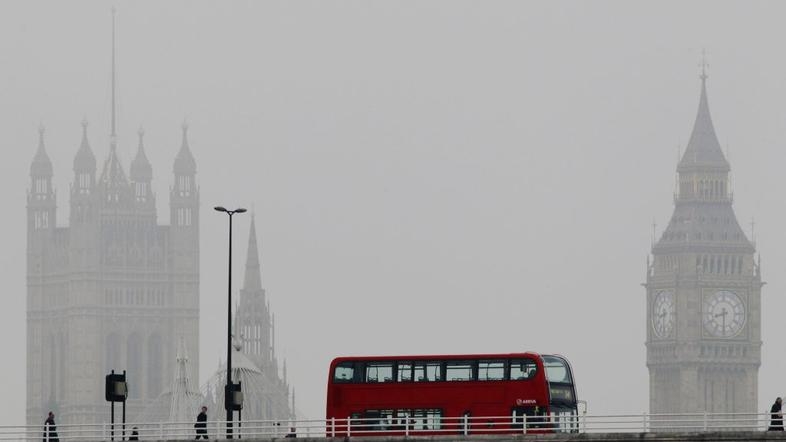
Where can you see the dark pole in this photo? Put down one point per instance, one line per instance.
(229, 333)
(229, 388)
(124, 407)
(112, 418)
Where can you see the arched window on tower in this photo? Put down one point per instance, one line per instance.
(155, 366)
(84, 182)
(184, 185)
(134, 366)
(141, 192)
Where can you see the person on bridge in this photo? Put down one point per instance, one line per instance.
(50, 429)
(776, 416)
(201, 424)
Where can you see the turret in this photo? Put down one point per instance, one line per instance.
(41, 202)
(142, 175)
(84, 166)
(83, 188)
(41, 209)
(184, 198)
(184, 220)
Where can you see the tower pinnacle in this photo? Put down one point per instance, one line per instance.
(704, 151)
(41, 165)
(704, 65)
(253, 276)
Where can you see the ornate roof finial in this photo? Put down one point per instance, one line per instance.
(184, 126)
(704, 65)
(141, 133)
(41, 165)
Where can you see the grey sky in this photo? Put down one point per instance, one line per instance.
(427, 177)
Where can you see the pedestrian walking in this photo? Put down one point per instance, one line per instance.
(50, 429)
(776, 416)
(201, 424)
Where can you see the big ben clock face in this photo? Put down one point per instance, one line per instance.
(724, 314)
(663, 314)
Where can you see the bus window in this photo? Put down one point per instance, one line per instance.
(522, 369)
(429, 419)
(404, 419)
(556, 369)
(491, 370)
(376, 420)
(458, 371)
(405, 371)
(345, 372)
(379, 372)
(428, 371)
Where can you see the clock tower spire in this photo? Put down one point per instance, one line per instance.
(703, 290)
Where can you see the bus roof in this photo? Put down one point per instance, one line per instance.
(439, 357)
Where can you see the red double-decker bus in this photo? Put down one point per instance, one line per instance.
(468, 394)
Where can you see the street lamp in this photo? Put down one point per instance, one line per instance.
(229, 387)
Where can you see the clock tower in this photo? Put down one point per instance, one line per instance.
(703, 291)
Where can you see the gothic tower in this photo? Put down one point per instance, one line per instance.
(254, 329)
(703, 291)
(113, 289)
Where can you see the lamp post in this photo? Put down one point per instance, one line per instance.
(229, 388)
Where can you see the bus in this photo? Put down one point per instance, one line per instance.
(450, 394)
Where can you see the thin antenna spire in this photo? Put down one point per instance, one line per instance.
(704, 65)
(114, 104)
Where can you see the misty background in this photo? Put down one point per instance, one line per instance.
(427, 177)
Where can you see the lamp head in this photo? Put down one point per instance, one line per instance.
(240, 210)
(219, 209)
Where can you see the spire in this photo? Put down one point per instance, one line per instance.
(113, 133)
(184, 162)
(84, 161)
(113, 176)
(41, 166)
(253, 277)
(704, 150)
(141, 170)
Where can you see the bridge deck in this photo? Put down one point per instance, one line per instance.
(724, 436)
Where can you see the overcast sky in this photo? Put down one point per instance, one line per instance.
(427, 177)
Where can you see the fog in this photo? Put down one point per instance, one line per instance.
(426, 177)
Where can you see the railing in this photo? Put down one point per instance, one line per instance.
(404, 426)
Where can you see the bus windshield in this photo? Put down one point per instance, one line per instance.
(557, 369)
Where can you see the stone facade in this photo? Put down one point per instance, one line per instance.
(111, 289)
(703, 291)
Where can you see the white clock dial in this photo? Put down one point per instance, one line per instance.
(724, 314)
(663, 314)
